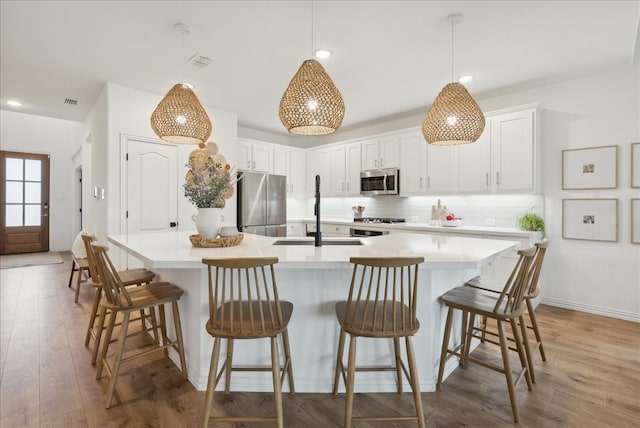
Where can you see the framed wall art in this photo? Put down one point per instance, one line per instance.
(635, 165)
(590, 168)
(635, 221)
(590, 219)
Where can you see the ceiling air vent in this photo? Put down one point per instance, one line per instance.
(200, 60)
(71, 102)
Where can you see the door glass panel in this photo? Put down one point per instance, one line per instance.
(14, 215)
(32, 193)
(14, 192)
(14, 169)
(32, 215)
(32, 170)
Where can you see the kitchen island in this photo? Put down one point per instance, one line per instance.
(314, 278)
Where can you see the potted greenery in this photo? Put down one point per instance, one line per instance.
(531, 221)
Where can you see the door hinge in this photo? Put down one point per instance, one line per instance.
(80, 210)
(126, 156)
(80, 180)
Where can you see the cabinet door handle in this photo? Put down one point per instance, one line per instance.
(248, 164)
(343, 186)
(254, 164)
(381, 162)
(421, 179)
(498, 178)
(486, 179)
(429, 182)
(347, 186)
(375, 162)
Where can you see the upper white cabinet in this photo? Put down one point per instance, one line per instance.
(383, 152)
(290, 162)
(425, 169)
(413, 164)
(504, 158)
(254, 156)
(339, 169)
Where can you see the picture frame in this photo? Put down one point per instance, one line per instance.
(590, 219)
(635, 221)
(590, 168)
(635, 165)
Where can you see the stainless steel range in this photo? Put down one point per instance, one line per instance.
(387, 220)
(354, 231)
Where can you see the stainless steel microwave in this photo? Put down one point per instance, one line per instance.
(380, 182)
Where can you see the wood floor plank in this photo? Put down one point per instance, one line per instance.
(591, 378)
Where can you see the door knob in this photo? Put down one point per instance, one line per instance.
(173, 224)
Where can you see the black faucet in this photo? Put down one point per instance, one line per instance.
(316, 211)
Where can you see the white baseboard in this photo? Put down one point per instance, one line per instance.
(598, 310)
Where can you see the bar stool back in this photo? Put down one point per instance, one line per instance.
(244, 304)
(381, 304)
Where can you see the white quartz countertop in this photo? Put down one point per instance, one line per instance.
(174, 250)
(424, 227)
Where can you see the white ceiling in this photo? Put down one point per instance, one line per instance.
(390, 58)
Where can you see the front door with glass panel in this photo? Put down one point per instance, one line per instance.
(24, 217)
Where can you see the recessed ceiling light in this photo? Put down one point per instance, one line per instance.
(322, 53)
(14, 103)
(465, 79)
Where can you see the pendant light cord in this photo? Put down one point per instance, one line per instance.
(452, 50)
(311, 29)
(182, 57)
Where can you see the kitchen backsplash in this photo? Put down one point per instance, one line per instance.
(475, 210)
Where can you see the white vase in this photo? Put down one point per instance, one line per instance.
(208, 221)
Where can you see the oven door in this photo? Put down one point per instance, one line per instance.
(364, 232)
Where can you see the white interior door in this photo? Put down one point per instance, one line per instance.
(152, 186)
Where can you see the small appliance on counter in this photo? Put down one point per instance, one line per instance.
(357, 211)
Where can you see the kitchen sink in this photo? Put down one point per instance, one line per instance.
(325, 241)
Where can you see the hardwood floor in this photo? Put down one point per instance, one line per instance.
(591, 378)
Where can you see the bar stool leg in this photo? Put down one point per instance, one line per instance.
(527, 348)
(178, 327)
(211, 382)
(504, 347)
(396, 351)
(536, 331)
(339, 364)
(287, 357)
(277, 390)
(118, 360)
(351, 371)
(92, 317)
(445, 347)
(228, 366)
(415, 384)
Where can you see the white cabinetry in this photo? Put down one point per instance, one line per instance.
(352, 168)
(319, 163)
(383, 152)
(504, 158)
(338, 167)
(254, 156)
(290, 162)
(413, 164)
(296, 229)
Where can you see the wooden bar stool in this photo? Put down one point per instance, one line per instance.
(381, 304)
(244, 304)
(80, 264)
(532, 291)
(122, 300)
(506, 307)
(128, 277)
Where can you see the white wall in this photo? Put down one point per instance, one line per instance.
(60, 139)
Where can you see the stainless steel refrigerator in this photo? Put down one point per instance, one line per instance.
(262, 204)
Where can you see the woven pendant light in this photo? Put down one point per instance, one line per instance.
(454, 116)
(180, 118)
(311, 104)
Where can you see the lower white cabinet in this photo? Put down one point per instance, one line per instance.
(296, 229)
